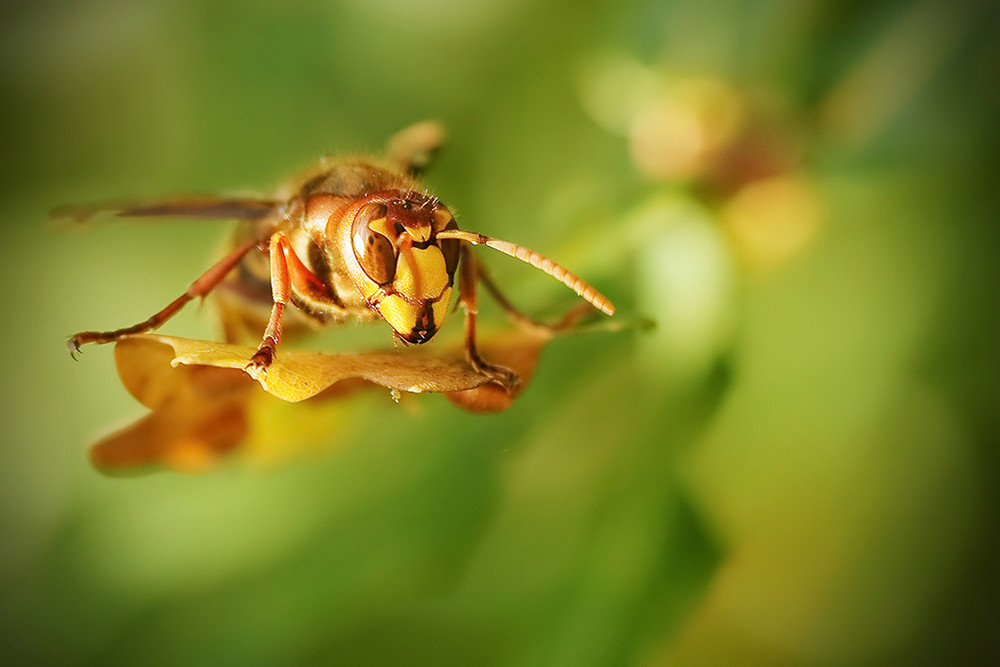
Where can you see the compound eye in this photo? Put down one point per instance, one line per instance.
(451, 249)
(374, 251)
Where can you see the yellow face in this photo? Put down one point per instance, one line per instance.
(408, 272)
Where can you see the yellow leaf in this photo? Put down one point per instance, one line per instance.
(201, 393)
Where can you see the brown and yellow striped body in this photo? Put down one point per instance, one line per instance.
(352, 237)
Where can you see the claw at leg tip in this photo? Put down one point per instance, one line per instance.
(259, 363)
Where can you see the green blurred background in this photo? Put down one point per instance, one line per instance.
(797, 466)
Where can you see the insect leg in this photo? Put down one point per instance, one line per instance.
(289, 277)
(468, 276)
(199, 288)
(280, 290)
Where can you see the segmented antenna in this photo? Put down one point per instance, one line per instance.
(540, 262)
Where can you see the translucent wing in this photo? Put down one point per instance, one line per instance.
(204, 207)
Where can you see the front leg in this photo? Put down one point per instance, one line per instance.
(468, 277)
(288, 275)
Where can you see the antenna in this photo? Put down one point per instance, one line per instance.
(540, 262)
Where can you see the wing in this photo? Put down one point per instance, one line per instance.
(415, 147)
(204, 207)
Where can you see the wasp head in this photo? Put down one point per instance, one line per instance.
(407, 273)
